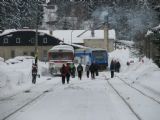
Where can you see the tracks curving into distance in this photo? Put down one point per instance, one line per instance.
(123, 99)
(32, 100)
(109, 83)
(148, 96)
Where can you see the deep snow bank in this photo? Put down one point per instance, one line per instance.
(16, 74)
(143, 71)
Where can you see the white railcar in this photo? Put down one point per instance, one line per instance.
(59, 55)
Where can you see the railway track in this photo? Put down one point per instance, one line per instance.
(32, 100)
(141, 92)
(6, 98)
(55, 86)
(125, 100)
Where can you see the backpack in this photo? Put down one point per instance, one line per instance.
(79, 68)
(87, 67)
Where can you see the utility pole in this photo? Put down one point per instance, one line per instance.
(106, 38)
(107, 34)
(36, 35)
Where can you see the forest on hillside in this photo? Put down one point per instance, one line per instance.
(130, 18)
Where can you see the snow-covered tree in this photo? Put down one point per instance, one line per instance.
(20, 13)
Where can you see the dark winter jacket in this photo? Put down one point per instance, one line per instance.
(112, 66)
(63, 70)
(79, 68)
(92, 67)
(72, 68)
(34, 70)
(87, 67)
(68, 70)
(118, 65)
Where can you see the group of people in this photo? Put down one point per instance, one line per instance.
(93, 69)
(70, 70)
(114, 67)
(67, 71)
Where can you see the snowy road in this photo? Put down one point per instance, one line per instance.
(79, 100)
(87, 100)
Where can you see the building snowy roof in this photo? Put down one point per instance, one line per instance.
(77, 36)
(70, 36)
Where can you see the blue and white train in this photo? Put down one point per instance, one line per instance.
(90, 55)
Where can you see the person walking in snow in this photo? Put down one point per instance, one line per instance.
(73, 70)
(87, 69)
(96, 68)
(117, 66)
(80, 71)
(68, 71)
(63, 73)
(112, 68)
(92, 70)
(34, 73)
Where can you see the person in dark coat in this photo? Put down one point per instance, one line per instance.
(92, 70)
(68, 71)
(96, 68)
(63, 73)
(112, 68)
(117, 66)
(80, 71)
(73, 70)
(87, 69)
(34, 73)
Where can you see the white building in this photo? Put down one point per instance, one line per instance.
(98, 39)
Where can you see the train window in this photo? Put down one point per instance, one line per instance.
(61, 56)
(99, 55)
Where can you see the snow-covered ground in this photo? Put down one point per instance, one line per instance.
(84, 99)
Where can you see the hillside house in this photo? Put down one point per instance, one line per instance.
(22, 42)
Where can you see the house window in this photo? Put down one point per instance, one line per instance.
(5, 40)
(44, 40)
(18, 40)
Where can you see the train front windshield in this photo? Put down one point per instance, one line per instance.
(61, 56)
(99, 55)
